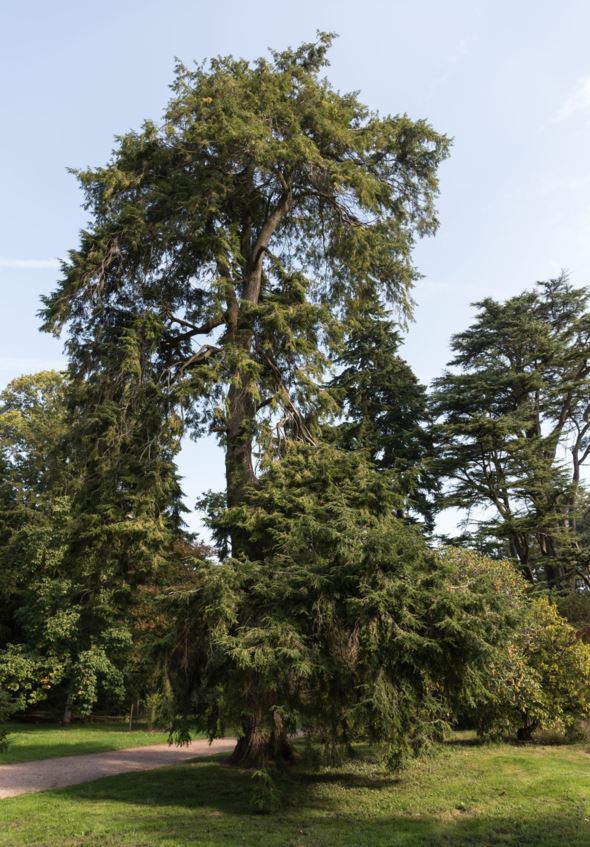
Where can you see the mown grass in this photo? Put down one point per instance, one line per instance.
(465, 795)
(42, 741)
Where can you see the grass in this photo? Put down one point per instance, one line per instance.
(466, 795)
(42, 741)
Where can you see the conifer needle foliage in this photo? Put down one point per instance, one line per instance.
(243, 232)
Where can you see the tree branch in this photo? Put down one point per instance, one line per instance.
(204, 329)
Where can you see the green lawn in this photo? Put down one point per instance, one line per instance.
(467, 795)
(30, 741)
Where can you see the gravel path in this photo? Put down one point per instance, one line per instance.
(40, 775)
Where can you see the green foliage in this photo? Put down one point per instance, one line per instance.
(346, 627)
(384, 409)
(26, 677)
(509, 417)
(159, 708)
(228, 248)
(541, 678)
(69, 561)
(575, 608)
(6, 710)
(265, 797)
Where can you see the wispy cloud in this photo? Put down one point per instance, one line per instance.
(578, 102)
(28, 264)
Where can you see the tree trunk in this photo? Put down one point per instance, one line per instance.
(239, 470)
(253, 745)
(67, 713)
(241, 407)
(525, 732)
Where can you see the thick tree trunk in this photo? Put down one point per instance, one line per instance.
(241, 406)
(256, 748)
(252, 747)
(240, 422)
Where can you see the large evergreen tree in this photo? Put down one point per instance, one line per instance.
(229, 248)
(346, 626)
(246, 228)
(384, 410)
(514, 427)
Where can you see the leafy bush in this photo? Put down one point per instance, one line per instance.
(25, 677)
(540, 679)
(159, 709)
(6, 709)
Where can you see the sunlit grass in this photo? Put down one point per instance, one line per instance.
(465, 795)
(40, 741)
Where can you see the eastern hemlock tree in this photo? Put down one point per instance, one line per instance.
(243, 229)
(244, 226)
(384, 410)
(514, 427)
(346, 627)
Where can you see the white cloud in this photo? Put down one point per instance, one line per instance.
(28, 264)
(578, 103)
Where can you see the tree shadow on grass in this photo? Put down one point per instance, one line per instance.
(470, 741)
(205, 804)
(347, 779)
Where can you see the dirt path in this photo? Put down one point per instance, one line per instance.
(40, 775)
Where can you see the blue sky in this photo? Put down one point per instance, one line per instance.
(510, 82)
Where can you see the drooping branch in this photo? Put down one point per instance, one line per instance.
(204, 353)
(293, 412)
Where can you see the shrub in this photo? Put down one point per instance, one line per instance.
(540, 679)
(6, 709)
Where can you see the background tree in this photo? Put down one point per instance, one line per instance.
(243, 228)
(514, 427)
(540, 679)
(70, 570)
(33, 472)
(384, 410)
